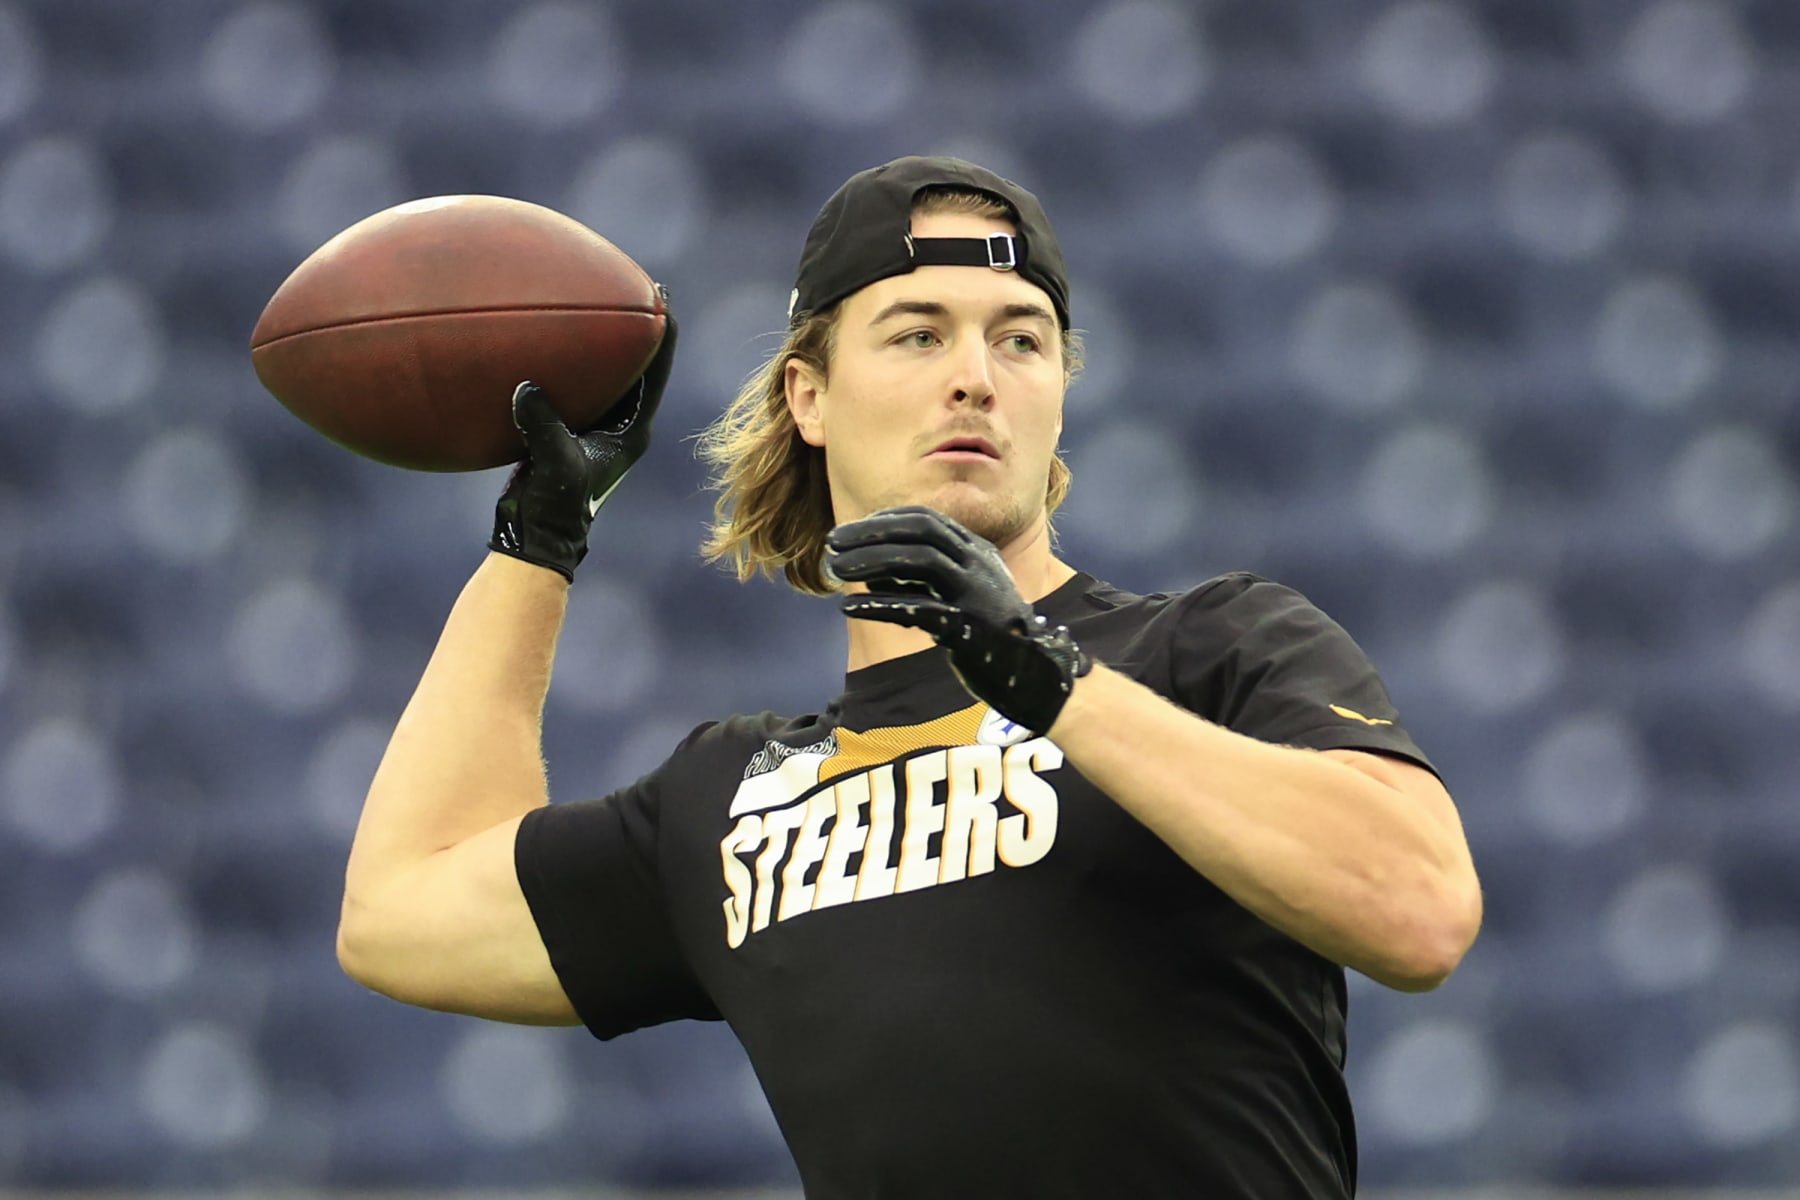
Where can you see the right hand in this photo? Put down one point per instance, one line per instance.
(550, 501)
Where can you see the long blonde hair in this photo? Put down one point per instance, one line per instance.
(774, 504)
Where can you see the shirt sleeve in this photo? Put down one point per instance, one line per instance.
(1260, 659)
(589, 871)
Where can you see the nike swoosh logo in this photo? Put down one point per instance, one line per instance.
(1353, 715)
(595, 502)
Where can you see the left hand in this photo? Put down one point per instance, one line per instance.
(926, 571)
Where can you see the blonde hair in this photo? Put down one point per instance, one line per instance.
(774, 504)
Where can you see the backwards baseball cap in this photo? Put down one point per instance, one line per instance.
(864, 234)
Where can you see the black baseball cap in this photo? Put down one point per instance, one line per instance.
(864, 234)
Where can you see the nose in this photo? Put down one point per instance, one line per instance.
(972, 381)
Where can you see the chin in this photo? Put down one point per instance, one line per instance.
(999, 519)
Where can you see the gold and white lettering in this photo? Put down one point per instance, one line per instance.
(969, 816)
(918, 868)
(776, 828)
(836, 885)
(746, 836)
(788, 841)
(809, 848)
(876, 877)
(1028, 835)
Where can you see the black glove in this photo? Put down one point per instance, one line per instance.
(926, 571)
(553, 494)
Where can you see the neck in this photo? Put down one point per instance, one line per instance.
(1035, 571)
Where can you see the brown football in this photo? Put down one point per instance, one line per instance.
(403, 337)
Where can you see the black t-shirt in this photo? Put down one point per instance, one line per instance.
(958, 968)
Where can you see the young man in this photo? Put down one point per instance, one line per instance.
(1055, 898)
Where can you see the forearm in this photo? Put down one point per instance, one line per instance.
(466, 753)
(1336, 859)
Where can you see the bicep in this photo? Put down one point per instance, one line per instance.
(1422, 787)
(454, 932)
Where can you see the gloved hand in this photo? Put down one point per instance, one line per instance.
(926, 571)
(550, 501)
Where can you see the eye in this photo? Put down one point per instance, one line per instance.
(919, 339)
(1023, 343)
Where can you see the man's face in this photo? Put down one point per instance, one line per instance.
(945, 389)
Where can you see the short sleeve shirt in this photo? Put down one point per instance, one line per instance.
(958, 968)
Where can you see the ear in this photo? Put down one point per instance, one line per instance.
(804, 390)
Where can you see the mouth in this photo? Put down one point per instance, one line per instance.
(967, 449)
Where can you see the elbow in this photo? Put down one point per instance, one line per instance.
(350, 954)
(1419, 975)
(358, 954)
(380, 951)
(368, 964)
(1435, 946)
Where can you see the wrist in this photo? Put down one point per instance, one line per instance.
(1026, 674)
(556, 550)
(1086, 699)
(527, 570)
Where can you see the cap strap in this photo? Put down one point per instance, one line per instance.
(1001, 251)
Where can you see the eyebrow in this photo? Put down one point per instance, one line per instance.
(930, 308)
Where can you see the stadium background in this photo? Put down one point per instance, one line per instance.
(1474, 321)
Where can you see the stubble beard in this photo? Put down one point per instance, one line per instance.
(1000, 519)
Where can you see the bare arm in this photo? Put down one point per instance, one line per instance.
(1358, 856)
(433, 914)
